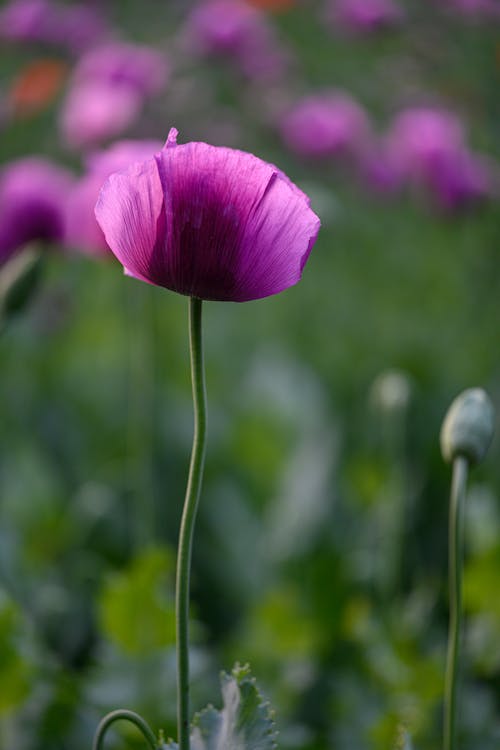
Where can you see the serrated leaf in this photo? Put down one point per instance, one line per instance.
(244, 723)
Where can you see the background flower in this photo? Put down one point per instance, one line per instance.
(326, 124)
(107, 92)
(32, 199)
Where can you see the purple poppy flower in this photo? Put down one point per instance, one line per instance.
(327, 124)
(240, 32)
(107, 92)
(95, 112)
(427, 147)
(82, 229)
(462, 180)
(26, 20)
(79, 27)
(209, 222)
(477, 9)
(32, 198)
(363, 16)
(422, 139)
(73, 27)
(118, 63)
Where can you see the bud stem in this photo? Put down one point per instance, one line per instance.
(123, 714)
(455, 552)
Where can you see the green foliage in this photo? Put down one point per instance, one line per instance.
(136, 605)
(244, 723)
(15, 669)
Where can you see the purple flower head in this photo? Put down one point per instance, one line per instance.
(462, 180)
(107, 92)
(323, 125)
(363, 16)
(94, 112)
(32, 199)
(477, 9)
(209, 222)
(240, 32)
(79, 27)
(82, 230)
(421, 140)
(223, 26)
(74, 27)
(427, 147)
(26, 20)
(120, 64)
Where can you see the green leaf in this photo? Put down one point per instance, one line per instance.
(15, 671)
(137, 605)
(244, 723)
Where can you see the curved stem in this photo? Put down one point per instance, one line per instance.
(457, 501)
(118, 715)
(188, 520)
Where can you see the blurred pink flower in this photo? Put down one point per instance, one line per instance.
(122, 64)
(363, 16)
(33, 193)
(487, 9)
(422, 139)
(94, 112)
(427, 147)
(209, 222)
(238, 31)
(74, 27)
(81, 228)
(462, 180)
(107, 92)
(326, 124)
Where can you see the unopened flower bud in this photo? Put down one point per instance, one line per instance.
(468, 426)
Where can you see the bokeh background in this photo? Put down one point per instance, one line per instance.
(320, 554)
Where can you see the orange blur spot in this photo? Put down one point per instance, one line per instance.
(36, 86)
(271, 4)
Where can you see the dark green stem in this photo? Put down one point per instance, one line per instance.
(123, 714)
(188, 521)
(457, 501)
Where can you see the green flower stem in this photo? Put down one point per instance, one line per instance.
(457, 501)
(188, 520)
(123, 714)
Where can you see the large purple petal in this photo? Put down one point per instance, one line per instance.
(129, 211)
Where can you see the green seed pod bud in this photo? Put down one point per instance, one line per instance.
(468, 426)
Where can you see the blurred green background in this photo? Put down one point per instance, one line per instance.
(321, 549)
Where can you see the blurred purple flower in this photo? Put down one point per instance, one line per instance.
(108, 90)
(209, 222)
(79, 27)
(326, 124)
(240, 32)
(82, 230)
(427, 147)
(74, 27)
(122, 64)
(363, 16)
(94, 112)
(463, 180)
(32, 199)
(477, 8)
(422, 139)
